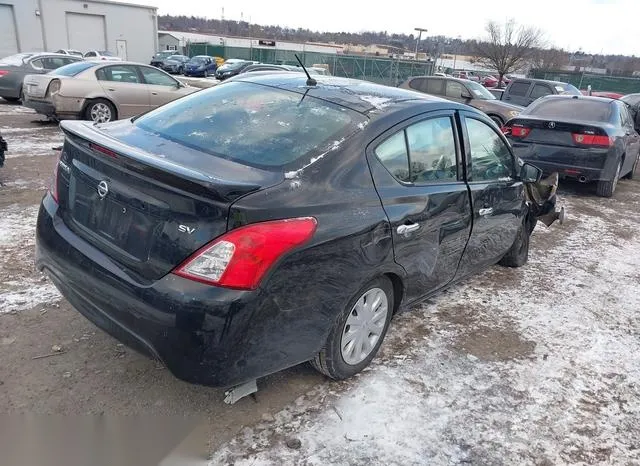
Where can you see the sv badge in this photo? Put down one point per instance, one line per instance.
(186, 229)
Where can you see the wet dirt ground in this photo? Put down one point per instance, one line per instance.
(52, 360)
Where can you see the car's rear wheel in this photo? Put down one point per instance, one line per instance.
(631, 174)
(607, 188)
(518, 255)
(100, 111)
(358, 331)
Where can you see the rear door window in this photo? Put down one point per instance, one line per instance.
(393, 154)
(519, 88)
(119, 74)
(419, 84)
(254, 125)
(435, 86)
(540, 90)
(454, 89)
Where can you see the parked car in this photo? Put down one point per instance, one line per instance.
(100, 91)
(314, 70)
(231, 69)
(523, 91)
(75, 53)
(607, 94)
(175, 64)
(267, 67)
(586, 138)
(14, 68)
(200, 65)
(466, 92)
(497, 92)
(470, 75)
(159, 57)
(224, 237)
(101, 55)
(3, 149)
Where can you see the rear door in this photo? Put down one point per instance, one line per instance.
(416, 167)
(518, 93)
(497, 195)
(162, 88)
(123, 85)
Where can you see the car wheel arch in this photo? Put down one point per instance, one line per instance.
(92, 99)
(398, 289)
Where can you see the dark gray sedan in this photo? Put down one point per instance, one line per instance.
(14, 68)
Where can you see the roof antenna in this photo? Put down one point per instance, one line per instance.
(310, 80)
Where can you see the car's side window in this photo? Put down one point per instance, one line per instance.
(419, 84)
(392, 153)
(52, 63)
(37, 64)
(540, 90)
(435, 86)
(432, 151)
(90, 54)
(119, 74)
(454, 89)
(156, 77)
(519, 88)
(490, 156)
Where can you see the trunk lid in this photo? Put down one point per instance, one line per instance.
(555, 132)
(144, 201)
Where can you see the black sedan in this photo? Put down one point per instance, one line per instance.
(266, 222)
(585, 138)
(174, 64)
(230, 69)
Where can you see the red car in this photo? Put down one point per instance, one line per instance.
(609, 95)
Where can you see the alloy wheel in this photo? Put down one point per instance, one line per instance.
(100, 113)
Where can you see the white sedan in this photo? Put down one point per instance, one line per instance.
(101, 55)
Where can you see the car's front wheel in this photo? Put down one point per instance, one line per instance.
(518, 255)
(358, 331)
(100, 111)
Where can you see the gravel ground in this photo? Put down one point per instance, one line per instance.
(536, 365)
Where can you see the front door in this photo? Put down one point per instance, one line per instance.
(417, 172)
(497, 194)
(123, 85)
(162, 87)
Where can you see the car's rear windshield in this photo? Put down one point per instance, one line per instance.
(15, 60)
(73, 68)
(253, 124)
(573, 109)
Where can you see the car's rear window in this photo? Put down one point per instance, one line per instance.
(253, 124)
(15, 60)
(73, 68)
(575, 109)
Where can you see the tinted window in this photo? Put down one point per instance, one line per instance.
(519, 88)
(540, 90)
(52, 63)
(479, 91)
(419, 84)
(432, 151)
(393, 155)
(253, 124)
(90, 54)
(156, 77)
(38, 64)
(625, 116)
(454, 89)
(435, 86)
(572, 109)
(490, 156)
(74, 68)
(118, 73)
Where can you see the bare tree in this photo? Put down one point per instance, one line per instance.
(508, 46)
(550, 59)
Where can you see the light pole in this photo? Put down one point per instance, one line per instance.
(420, 31)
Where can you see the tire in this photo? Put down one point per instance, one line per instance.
(337, 364)
(631, 174)
(205, 74)
(100, 111)
(497, 120)
(518, 255)
(607, 188)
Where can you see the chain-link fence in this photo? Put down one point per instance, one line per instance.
(388, 71)
(598, 82)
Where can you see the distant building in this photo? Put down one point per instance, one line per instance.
(129, 31)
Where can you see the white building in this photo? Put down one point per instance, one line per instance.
(130, 31)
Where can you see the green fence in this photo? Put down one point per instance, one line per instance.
(598, 82)
(376, 69)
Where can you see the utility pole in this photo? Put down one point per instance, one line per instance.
(420, 31)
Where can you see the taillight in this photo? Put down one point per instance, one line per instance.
(3, 73)
(592, 140)
(103, 150)
(54, 87)
(518, 131)
(240, 258)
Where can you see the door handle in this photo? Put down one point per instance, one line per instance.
(154, 93)
(486, 211)
(111, 89)
(406, 229)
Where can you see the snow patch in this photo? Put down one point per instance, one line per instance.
(335, 145)
(376, 101)
(26, 295)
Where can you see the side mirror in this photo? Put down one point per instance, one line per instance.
(530, 173)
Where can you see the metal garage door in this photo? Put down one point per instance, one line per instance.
(86, 32)
(8, 39)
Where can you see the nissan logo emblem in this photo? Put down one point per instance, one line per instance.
(552, 124)
(103, 189)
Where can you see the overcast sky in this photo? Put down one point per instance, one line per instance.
(608, 26)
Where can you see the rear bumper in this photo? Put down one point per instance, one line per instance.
(203, 334)
(568, 162)
(61, 108)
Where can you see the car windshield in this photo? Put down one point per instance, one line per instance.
(253, 124)
(73, 68)
(571, 109)
(479, 91)
(15, 60)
